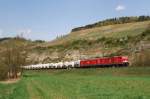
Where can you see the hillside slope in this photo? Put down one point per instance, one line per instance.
(115, 31)
(119, 39)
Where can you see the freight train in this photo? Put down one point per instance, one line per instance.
(117, 61)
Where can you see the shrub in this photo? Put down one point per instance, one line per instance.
(3, 71)
(142, 59)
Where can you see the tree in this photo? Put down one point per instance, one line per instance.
(13, 57)
(3, 70)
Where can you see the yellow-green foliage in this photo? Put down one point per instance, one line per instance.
(142, 58)
(3, 71)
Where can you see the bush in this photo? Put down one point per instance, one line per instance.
(142, 59)
(3, 71)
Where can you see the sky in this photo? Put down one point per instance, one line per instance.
(47, 19)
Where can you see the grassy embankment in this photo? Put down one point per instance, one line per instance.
(107, 83)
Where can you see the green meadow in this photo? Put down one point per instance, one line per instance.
(92, 83)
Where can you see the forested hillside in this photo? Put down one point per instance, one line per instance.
(112, 21)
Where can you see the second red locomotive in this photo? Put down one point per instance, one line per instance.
(105, 62)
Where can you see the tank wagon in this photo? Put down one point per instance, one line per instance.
(117, 61)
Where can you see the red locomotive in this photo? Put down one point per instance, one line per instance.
(105, 62)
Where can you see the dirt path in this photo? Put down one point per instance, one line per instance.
(10, 81)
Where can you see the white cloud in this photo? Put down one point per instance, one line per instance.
(120, 8)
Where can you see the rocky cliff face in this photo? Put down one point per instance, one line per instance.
(69, 55)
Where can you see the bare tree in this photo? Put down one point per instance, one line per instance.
(14, 56)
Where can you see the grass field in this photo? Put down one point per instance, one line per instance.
(100, 83)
